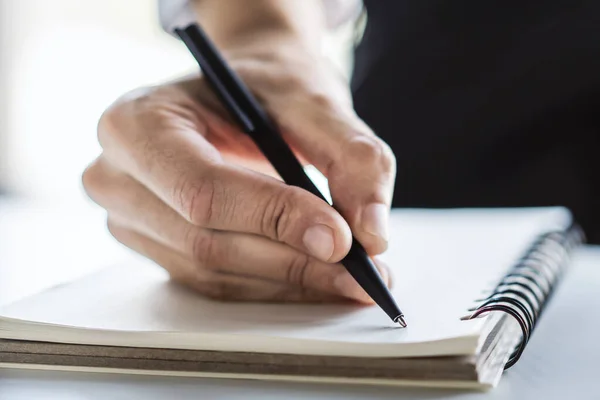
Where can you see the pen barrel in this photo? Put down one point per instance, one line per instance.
(281, 157)
(253, 120)
(364, 271)
(357, 262)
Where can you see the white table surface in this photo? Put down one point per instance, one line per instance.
(39, 248)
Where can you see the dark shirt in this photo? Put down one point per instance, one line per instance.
(486, 103)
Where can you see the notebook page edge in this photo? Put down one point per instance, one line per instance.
(465, 345)
(474, 385)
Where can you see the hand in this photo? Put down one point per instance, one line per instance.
(184, 187)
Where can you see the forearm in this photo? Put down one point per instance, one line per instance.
(234, 22)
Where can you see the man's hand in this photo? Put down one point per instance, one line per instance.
(183, 186)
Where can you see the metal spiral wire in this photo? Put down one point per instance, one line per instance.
(524, 292)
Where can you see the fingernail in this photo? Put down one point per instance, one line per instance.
(348, 287)
(375, 220)
(318, 240)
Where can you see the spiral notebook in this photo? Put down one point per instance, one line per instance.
(473, 285)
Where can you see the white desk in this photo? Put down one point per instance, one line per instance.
(560, 361)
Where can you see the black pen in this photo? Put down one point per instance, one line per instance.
(255, 122)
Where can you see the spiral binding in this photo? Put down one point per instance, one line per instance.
(524, 292)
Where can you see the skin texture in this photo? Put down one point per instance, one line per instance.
(184, 187)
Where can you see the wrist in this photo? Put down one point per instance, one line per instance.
(238, 23)
(270, 47)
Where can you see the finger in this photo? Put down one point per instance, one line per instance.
(132, 205)
(360, 167)
(212, 284)
(384, 271)
(170, 158)
(351, 289)
(320, 124)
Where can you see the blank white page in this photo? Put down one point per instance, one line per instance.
(440, 260)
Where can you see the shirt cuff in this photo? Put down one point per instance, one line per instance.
(179, 13)
(175, 14)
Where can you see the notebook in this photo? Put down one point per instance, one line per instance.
(472, 283)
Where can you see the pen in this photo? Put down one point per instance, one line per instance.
(255, 122)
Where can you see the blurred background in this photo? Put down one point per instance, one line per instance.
(62, 62)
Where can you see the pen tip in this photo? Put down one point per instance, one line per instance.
(400, 319)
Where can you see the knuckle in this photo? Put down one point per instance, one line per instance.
(196, 199)
(202, 249)
(116, 230)
(297, 270)
(145, 109)
(388, 160)
(89, 177)
(94, 182)
(105, 125)
(286, 82)
(276, 214)
(320, 100)
(292, 81)
(110, 123)
(368, 150)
